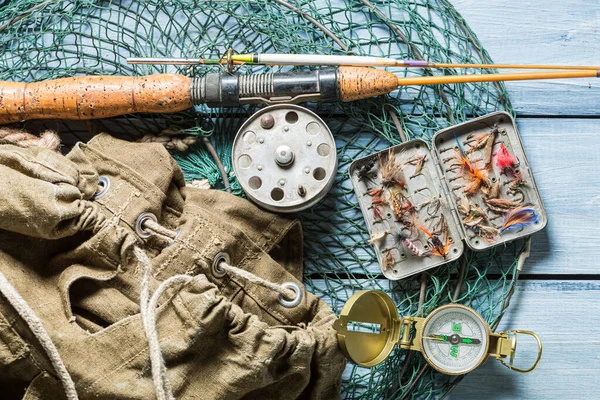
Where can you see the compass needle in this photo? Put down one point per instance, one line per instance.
(438, 338)
(470, 341)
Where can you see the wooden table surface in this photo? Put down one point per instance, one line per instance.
(559, 293)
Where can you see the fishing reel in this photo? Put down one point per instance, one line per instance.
(285, 158)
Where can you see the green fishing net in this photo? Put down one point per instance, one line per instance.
(51, 39)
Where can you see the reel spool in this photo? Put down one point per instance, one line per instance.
(285, 158)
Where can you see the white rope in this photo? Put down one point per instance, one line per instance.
(157, 360)
(199, 184)
(35, 324)
(48, 139)
(249, 276)
(157, 363)
(148, 305)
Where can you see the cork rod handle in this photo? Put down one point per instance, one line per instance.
(90, 97)
(357, 83)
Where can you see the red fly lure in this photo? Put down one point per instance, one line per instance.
(377, 212)
(506, 162)
(375, 192)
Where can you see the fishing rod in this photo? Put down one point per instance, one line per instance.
(90, 97)
(232, 58)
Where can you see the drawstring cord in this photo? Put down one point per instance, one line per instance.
(249, 276)
(156, 229)
(149, 304)
(37, 328)
(162, 387)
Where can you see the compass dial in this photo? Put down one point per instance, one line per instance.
(455, 339)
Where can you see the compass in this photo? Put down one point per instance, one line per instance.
(454, 339)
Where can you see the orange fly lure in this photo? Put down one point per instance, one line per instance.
(477, 176)
(438, 247)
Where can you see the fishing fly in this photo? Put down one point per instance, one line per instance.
(403, 238)
(438, 246)
(366, 169)
(519, 218)
(476, 176)
(484, 142)
(504, 205)
(390, 171)
(418, 161)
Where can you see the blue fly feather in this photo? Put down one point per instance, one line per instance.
(458, 144)
(519, 218)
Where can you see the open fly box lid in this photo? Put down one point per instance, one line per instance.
(424, 199)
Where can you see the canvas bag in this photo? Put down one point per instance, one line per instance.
(67, 248)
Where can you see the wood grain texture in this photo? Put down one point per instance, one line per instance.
(361, 83)
(541, 32)
(88, 97)
(564, 155)
(566, 316)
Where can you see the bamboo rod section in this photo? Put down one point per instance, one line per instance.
(515, 66)
(449, 79)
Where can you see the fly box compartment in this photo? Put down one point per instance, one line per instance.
(403, 201)
(474, 185)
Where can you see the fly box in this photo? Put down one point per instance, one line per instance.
(473, 186)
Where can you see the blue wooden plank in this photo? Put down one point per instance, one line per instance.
(566, 316)
(541, 32)
(564, 155)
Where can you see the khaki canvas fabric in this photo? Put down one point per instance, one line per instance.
(70, 257)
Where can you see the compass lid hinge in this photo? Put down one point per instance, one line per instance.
(411, 333)
(503, 346)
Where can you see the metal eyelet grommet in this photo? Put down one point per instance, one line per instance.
(103, 185)
(217, 271)
(139, 224)
(294, 302)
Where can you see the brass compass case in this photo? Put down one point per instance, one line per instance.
(454, 338)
